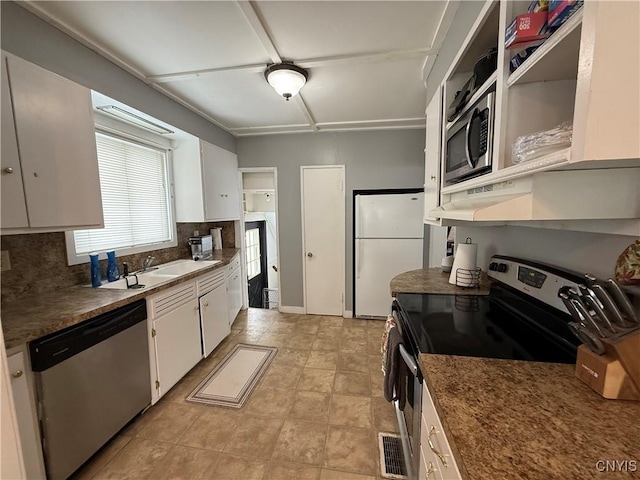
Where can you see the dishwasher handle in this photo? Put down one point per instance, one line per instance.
(57, 347)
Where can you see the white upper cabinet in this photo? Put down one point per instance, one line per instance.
(206, 182)
(432, 157)
(50, 178)
(569, 78)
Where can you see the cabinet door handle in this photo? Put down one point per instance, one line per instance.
(17, 374)
(430, 470)
(433, 177)
(432, 431)
(206, 304)
(8, 170)
(195, 309)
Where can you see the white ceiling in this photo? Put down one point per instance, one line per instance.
(366, 59)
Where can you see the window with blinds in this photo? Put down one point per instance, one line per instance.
(135, 198)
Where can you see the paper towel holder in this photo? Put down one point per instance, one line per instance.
(468, 278)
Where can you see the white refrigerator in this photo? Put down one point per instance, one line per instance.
(388, 241)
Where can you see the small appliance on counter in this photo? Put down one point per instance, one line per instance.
(201, 247)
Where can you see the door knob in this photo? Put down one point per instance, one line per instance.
(17, 374)
(8, 170)
(309, 254)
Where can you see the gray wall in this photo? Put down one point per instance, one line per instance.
(584, 252)
(373, 160)
(28, 37)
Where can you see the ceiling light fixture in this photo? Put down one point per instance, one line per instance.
(286, 78)
(133, 119)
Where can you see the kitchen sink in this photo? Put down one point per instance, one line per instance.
(161, 273)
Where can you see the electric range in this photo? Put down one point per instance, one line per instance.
(521, 318)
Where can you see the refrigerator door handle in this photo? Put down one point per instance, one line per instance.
(358, 217)
(358, 257)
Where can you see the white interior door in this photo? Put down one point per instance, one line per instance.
(323, 235)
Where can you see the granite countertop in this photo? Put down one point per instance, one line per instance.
(510, 419)
(433, 280)
(33, 317)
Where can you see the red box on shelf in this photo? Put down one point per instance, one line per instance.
(526, 28)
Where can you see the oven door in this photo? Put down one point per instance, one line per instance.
(409, 417)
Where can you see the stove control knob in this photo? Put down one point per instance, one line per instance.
(502, 267)
(493, 266)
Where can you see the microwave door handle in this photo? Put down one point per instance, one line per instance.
(467, 151)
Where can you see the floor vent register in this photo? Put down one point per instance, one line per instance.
(391, 458)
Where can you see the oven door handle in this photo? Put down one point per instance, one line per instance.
(408, 359)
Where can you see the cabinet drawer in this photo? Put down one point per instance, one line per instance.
(233, 265)
(208, 282)
(429, 467)
(432, 435)
(167, 301)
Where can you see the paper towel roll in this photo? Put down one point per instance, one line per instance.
(467, 259)
(216, 237)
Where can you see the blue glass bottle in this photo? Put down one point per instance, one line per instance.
(95, 270)
(113, 273)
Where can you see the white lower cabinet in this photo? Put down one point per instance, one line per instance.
(213, 310)
(175, 335)
(436, 459)
(26, 416)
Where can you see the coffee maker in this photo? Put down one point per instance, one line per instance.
(201, 247)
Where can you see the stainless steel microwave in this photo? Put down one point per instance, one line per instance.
(470, 141)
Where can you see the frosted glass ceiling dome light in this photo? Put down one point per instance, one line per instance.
(286, 78)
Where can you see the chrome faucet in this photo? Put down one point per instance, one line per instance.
(147, 263)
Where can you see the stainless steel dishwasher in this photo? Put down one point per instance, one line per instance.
(91, 379)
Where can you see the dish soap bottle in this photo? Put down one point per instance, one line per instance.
(95, 270)
(113, 273)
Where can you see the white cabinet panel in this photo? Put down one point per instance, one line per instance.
(56, 140)
(214, 316)
(206, 182)
(432, 150)
(26, 416)
(433, 442)
(220, 173)
(234, 294)
(14, 208)
(177, 342)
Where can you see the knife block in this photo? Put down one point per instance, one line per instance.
(616, 374)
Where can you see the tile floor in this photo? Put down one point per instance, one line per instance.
(315, 414)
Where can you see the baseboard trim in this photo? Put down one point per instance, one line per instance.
(348, 314)
(287, 309)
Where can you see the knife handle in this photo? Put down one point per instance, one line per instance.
(587, 337)
(596, 307)
(609, 305)
(590, 323)
(622, 299)
(572, 310)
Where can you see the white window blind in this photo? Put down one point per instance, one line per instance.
(135, 197)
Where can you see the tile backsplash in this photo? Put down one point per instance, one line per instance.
(39, 260)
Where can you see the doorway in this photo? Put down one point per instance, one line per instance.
(323, 239)
(260, 206)
(256, 245)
